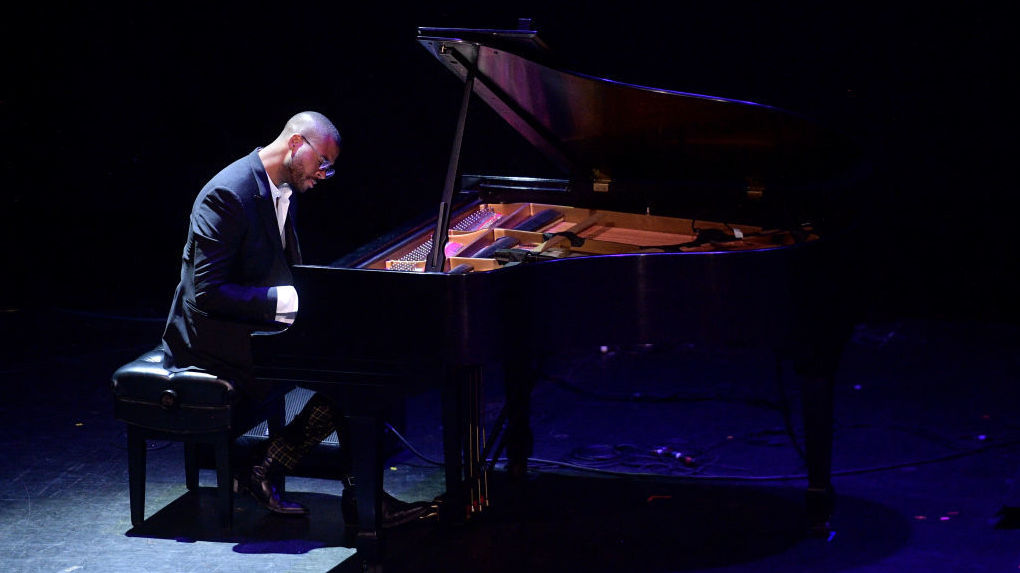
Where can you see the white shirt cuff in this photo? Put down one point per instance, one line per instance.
(286, 304)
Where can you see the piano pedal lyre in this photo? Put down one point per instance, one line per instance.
(477, 474)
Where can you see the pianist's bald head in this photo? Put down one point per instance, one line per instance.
(304, 152)
(310, 122)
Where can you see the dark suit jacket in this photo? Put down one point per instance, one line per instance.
(232, 259)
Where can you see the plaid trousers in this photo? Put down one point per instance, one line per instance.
(317, 420)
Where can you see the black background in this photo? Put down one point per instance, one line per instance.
(113, 118)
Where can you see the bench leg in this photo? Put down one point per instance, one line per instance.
(136, 473)
(224, 480)
(191, 465)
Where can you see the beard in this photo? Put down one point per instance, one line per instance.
(297, 179)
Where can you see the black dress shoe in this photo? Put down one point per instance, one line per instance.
(262, 488)
(394, 511)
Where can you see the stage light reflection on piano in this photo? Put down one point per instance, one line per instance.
(452, 248)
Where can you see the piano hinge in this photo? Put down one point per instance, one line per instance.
(600, 183)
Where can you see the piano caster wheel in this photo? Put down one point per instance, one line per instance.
(517, 472)
(820, 504)
(819, 529)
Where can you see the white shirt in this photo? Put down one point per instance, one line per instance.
(281, 198)
(286, 295)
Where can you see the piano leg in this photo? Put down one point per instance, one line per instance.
(519, 380)
(452, 510)
(818, 418)
(823, 338)
(463, 443)
(366, 445)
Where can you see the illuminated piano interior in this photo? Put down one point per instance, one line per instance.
(486, 236)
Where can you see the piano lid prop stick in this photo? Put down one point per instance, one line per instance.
(437, 256)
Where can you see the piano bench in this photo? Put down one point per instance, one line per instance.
(192, 406)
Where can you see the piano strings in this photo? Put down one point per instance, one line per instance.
(480, 240)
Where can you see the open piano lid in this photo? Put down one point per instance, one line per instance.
(655, 145)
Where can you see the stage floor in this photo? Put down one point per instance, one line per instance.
(926, 456)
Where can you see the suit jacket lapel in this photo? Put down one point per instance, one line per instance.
(264, 201)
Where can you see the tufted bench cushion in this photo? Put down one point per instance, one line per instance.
(191, 401)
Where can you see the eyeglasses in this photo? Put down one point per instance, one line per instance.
(324, 165)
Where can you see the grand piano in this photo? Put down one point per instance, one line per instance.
(678, 218)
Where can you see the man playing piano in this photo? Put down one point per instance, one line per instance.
(236, 279)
